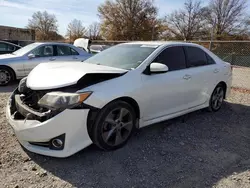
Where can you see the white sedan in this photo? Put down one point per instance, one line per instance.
(18, 64)
(104, 99)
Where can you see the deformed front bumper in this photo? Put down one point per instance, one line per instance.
(71, 122)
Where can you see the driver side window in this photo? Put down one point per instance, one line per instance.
(173, 57)
(44, 51)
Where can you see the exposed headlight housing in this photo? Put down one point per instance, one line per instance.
(61, 100)
(22, 85)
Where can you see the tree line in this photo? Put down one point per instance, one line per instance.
(139, 20)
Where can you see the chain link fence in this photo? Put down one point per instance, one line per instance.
(237, 53)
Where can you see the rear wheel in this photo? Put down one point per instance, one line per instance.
(114, 125)
(6, 76)
(217, 98)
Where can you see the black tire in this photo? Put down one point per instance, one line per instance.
(217, 95)
(101, 126)
(6, 76)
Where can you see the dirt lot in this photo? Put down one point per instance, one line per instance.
(241, 77)
(202, 150)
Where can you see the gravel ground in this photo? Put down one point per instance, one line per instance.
(241, 77)
(201, 149)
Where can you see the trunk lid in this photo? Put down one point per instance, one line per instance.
(7, 56)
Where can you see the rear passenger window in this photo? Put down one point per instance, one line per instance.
(63, 51)
(210, 60)
(73, 52)
(195, 56)
(173, 57)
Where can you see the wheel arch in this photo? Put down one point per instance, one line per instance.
(93, 113)
(224, 85)
(132, 102)
(11, 69)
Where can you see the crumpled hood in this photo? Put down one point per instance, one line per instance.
(57, 75)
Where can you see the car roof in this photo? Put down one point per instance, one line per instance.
(162, 43)
(53, 43)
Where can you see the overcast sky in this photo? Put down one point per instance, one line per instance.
(17, 12)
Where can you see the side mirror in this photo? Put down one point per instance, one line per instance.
(31, 56)
(158, 68)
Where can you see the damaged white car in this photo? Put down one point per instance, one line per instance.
(61, 108)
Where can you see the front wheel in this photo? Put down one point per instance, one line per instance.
(114, 125)
(217, 98)
(6, 76)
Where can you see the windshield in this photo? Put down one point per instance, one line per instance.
(26, 49)
(124, 56)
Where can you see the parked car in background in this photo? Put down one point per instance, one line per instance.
(61, 108)
(18, 64)
(95, 48)
(7, 47)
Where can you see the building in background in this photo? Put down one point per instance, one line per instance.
(15, 35)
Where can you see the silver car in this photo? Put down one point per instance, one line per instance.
(98, 48)
(19, 63)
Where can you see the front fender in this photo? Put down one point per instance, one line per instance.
(128, 85)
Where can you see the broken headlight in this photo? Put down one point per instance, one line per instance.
(22, 85)
(61, 100)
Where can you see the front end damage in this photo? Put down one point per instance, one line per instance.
(58, 132)
(24, 106)
(44, 131)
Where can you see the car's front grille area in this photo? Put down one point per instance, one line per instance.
(21, 110)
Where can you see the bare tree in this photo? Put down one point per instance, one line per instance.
(75, 30)
(44, 24)
(94, 32)
(128, 19)
(226, 16)
(188, 22)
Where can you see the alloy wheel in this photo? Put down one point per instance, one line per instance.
(217, 98)
(117, 126)
(5, 77)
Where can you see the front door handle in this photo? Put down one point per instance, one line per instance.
(75, 58)
(216, 70)
(187, 77)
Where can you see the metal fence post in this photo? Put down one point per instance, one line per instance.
(210, 45)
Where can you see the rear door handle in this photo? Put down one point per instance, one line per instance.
(187, 77)
(216, 70)
(52, 59)
(75, 58)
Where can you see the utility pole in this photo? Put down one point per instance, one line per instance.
(212, 34)
(70, 36)
(153, 31)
